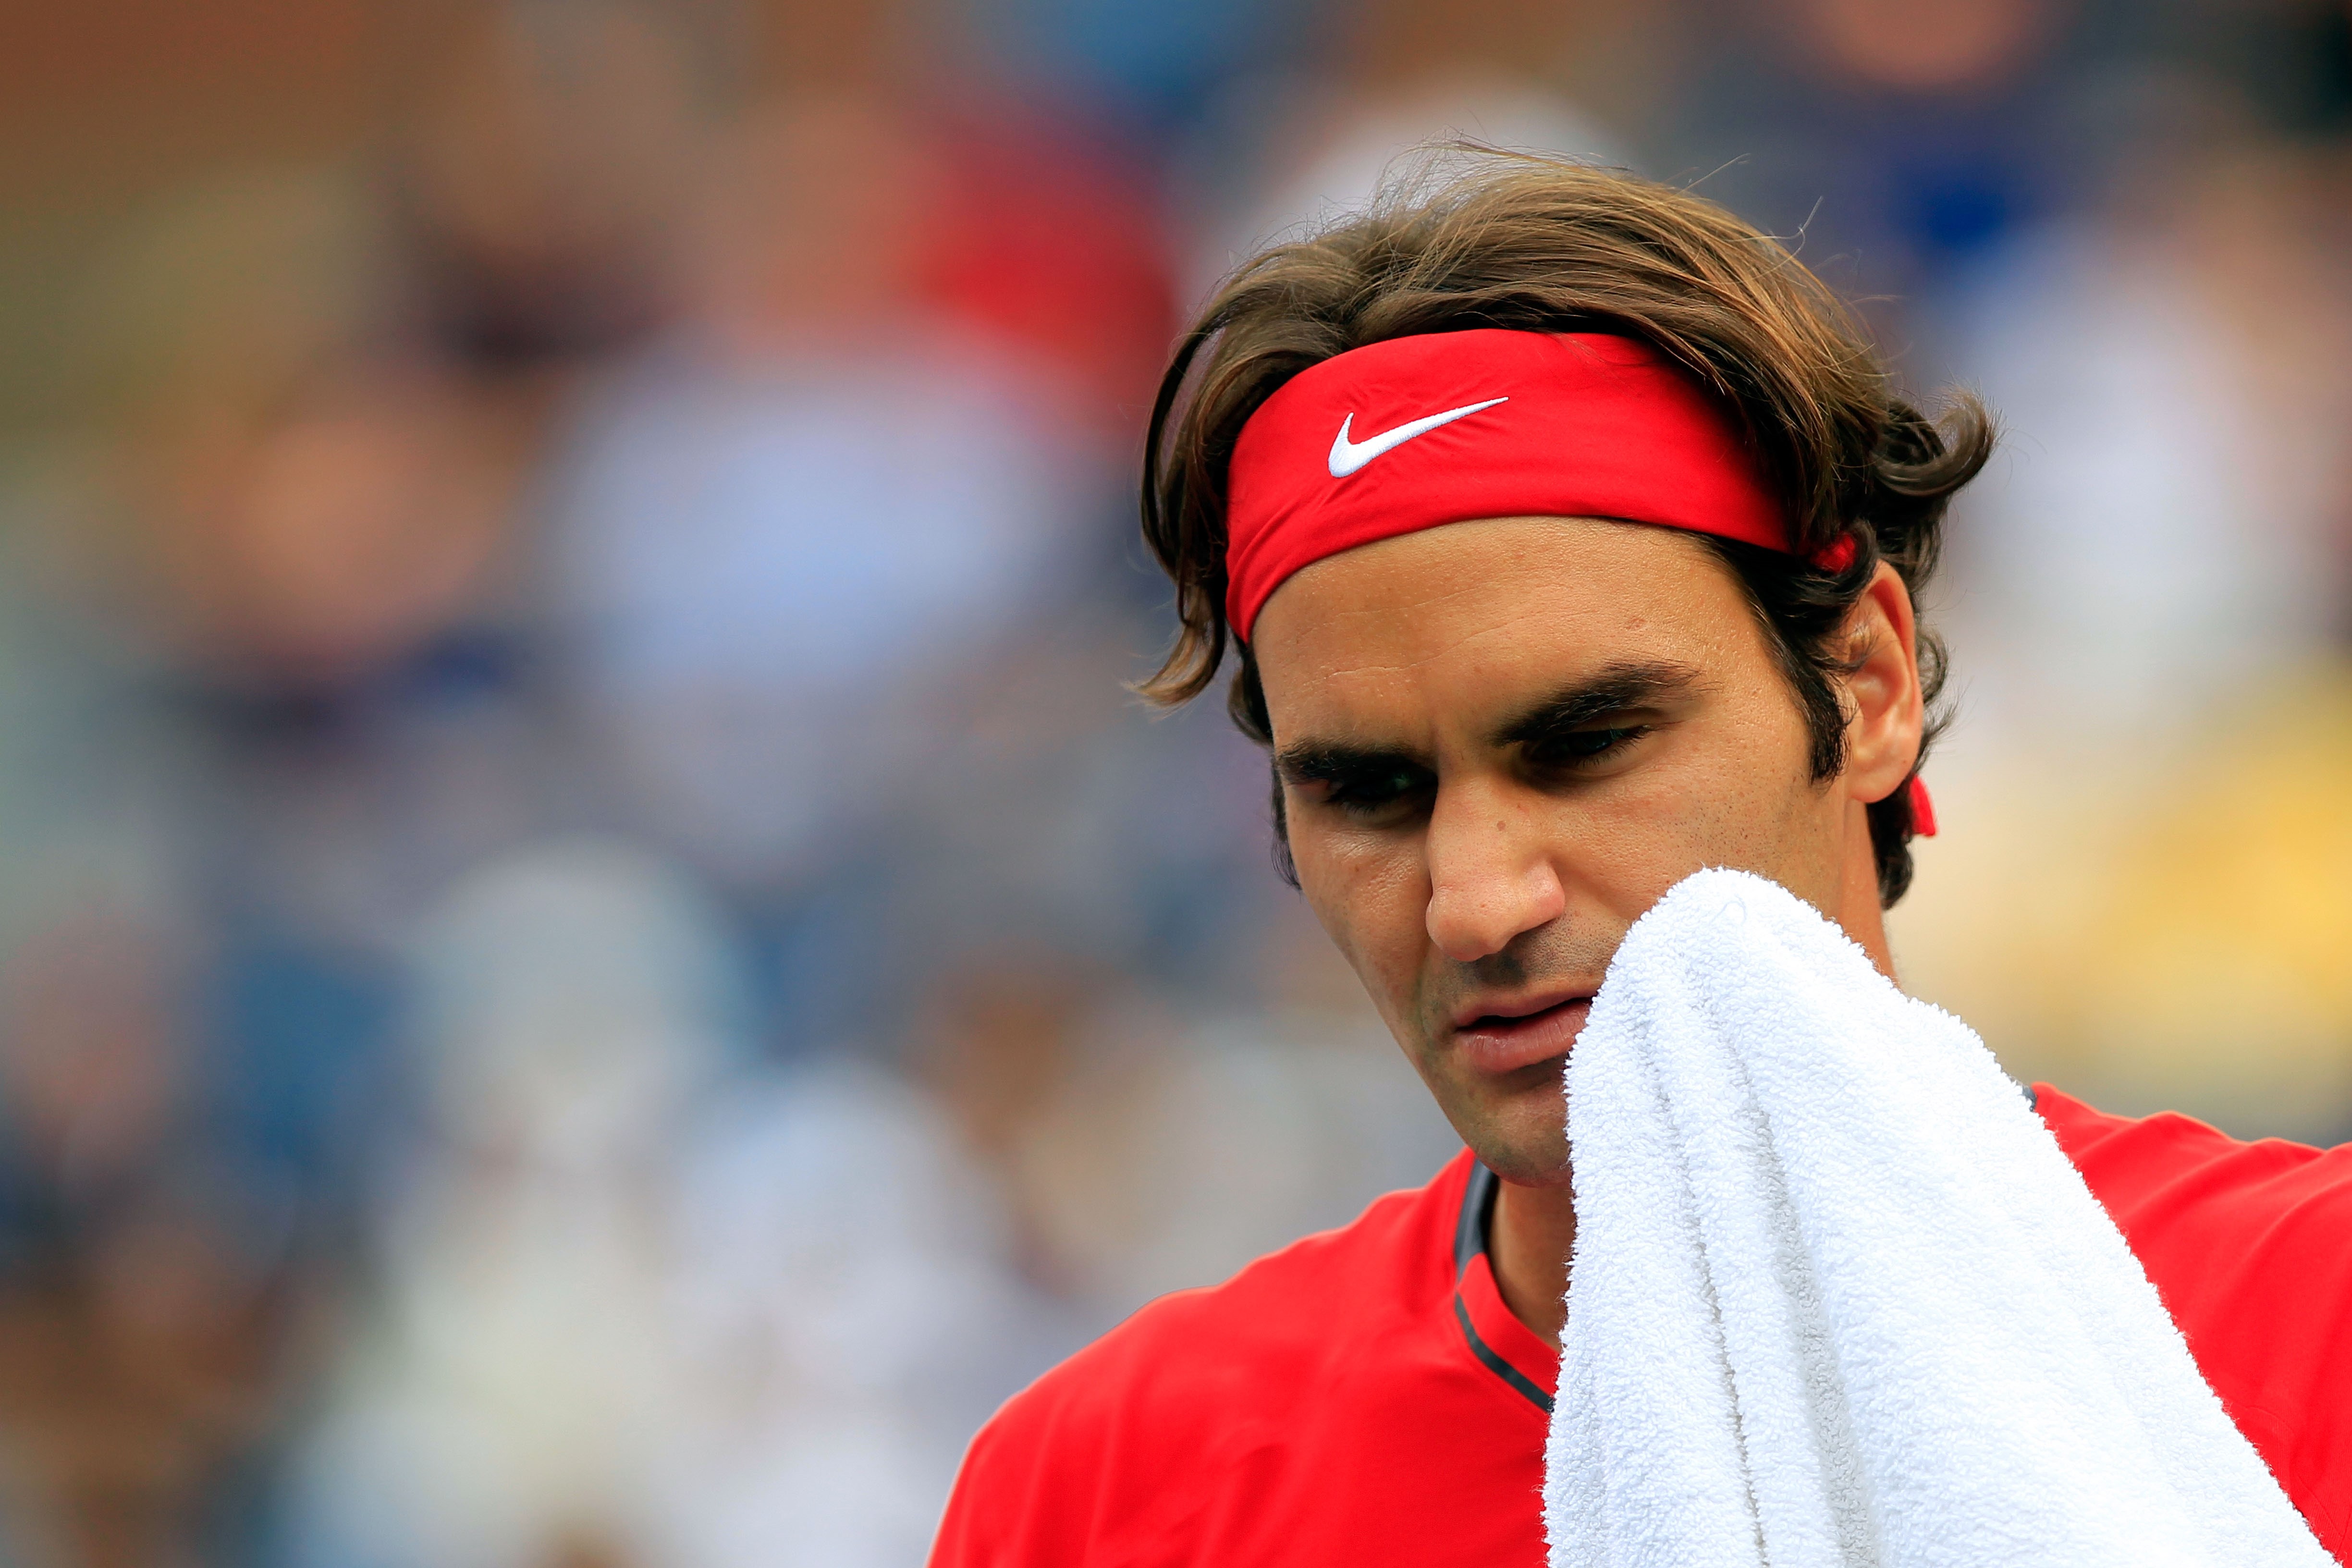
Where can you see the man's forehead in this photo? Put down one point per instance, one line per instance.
(1486, 616)
(1437, 578)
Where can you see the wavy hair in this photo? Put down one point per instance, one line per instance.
(1542, 244)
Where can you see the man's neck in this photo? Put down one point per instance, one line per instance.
(1528, 1245)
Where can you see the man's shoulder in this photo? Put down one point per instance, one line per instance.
(1308, 1299)
(2232, 1233)
(2171, 1175)
(1209, 1356)
(1252, 1388)
(2247, 1242)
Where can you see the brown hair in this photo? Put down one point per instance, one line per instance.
(1541, 244)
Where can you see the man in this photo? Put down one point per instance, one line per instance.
(1568, 534)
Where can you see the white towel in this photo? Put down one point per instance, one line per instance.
(1838, 1298)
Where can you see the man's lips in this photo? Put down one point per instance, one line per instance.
(1500, 1037)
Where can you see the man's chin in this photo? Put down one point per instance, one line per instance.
(1526, 1166)
(1520, 1134)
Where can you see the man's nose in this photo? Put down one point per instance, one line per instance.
(1490, 872)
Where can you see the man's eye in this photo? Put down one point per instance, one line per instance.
(1369, 793)
(1580, 747)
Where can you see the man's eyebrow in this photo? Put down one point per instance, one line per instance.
(1313, 761)
(1617, 688)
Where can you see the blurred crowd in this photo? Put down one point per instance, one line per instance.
(594, 961)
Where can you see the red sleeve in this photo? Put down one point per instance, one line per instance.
(2249, 1244)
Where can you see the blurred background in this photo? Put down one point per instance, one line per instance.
(593, 961)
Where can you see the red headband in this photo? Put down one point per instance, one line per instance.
(1411, 433)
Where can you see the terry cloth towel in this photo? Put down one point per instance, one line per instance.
(1837, 1297)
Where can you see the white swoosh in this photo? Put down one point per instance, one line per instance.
(1347, 455)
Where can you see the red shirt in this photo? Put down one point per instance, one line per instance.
(1364, 1395)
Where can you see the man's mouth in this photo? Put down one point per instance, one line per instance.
(1506, 1036)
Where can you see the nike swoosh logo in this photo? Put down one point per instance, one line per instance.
(1347, 455)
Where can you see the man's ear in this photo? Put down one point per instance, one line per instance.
(1886, 712)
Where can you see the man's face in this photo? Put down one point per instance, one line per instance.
(1499, 744)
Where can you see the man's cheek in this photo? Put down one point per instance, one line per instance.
(1317, 882)
(1376, 930)
(1628, 855)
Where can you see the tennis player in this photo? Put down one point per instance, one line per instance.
(1566, 533)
